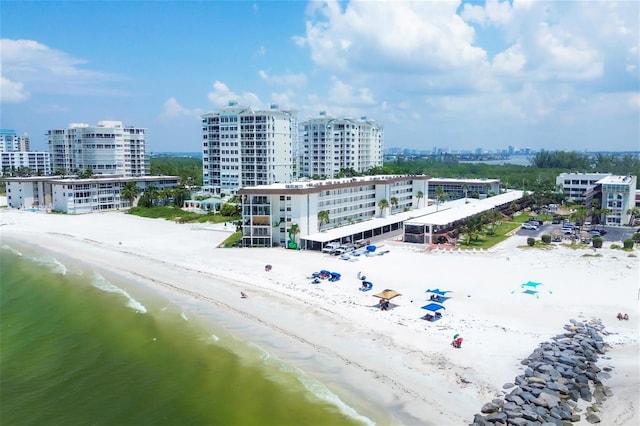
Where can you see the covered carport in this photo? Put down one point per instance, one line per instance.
(422, 229)
(349, 234)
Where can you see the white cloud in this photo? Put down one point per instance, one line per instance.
(287, 79)
(343, 94)
(172, 109)
(398, 35)
(53, 109)
(12, 91)
(221, 95)
(567, 55)
(41, 69)
(510, 61)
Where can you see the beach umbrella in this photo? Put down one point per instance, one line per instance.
(387, 294)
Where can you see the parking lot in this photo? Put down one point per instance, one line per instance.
(614, 233)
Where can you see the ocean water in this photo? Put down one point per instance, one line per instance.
(77, 349)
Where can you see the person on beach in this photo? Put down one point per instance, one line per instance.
(457, 341)
(243, 295)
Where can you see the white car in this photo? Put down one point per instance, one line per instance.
(529, 226)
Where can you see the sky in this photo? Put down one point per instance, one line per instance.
(456, 75)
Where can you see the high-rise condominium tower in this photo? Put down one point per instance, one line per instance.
(246, 147)
(331, 144)
(108, 148)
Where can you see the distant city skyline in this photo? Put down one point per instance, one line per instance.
(453, 75)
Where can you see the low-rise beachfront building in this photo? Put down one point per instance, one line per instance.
(310, 214)
(575, 185)
(17, 159)
(78, 196)
(463, 188)
(31, 162)
(282, 214)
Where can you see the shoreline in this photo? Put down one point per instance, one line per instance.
(390, 366)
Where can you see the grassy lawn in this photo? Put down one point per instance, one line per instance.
(228, 243)
(179, 215)
(502, 232)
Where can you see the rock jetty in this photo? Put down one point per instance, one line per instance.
(561, 383)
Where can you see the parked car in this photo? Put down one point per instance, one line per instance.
(556, 220)
(601, 231)
(536, 222)
(530, 226)
(567, 231)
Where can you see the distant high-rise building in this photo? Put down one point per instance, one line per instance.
(108, 148)
(11, 142)
(330, 144)
(246, 147)
(17, 159)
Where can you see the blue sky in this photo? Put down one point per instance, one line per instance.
(446, 74)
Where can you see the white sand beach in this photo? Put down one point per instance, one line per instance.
(390, 366)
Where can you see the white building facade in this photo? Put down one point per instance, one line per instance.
(269, 212)
(18, 162)
(328, 145)
(246, 147)
(12, 142)
(16, 158)
(108, 148)
(575, 185)
(617, 197)
(78, 196)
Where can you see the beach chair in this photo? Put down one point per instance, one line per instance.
(366, 286)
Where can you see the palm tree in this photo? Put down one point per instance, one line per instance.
(149, 196)
(419, 196)
(383, 204)
(579, 215)
(394, 202)
(323, 217)
(441, 196)
(634, 212)
(130, 192)
(180, 194)
(293, 231)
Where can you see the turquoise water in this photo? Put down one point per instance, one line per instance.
(77, 349)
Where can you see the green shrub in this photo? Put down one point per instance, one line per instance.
(531, 241)
(636, 237)
(628, 244)
(597, 242)
(546, 239)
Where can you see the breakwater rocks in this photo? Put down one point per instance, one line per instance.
(561, 383)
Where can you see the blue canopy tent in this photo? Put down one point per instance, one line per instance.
(433, 312)
(531, 287)
(438, 295)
